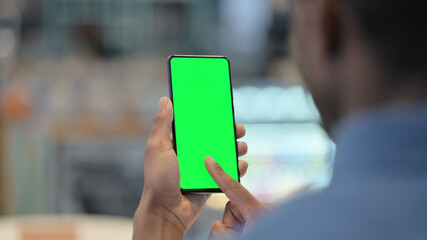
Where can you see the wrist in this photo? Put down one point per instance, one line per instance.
(152, 220)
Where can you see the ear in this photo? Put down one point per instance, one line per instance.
(331, 27)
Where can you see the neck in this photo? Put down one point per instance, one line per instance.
(409, 91)
(387, 93)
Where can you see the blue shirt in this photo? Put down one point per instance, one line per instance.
(379, 188)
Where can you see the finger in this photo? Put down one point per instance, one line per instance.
(242, 148)
(269, 206)
(240, 131)
(232, 218)
(217, 226)
(233, 190)
(162, 123)
(243, 167)
(219, 231)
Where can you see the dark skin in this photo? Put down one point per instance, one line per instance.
(344, 76)
(339, 64)
(164, 212)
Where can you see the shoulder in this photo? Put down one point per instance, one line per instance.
(351, 213)
(293, 219)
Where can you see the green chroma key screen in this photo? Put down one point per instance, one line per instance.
(200, 88)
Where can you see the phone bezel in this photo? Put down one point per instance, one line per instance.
(203, 190)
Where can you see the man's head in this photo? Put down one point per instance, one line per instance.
(357, 54)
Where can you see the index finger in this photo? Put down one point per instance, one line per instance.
(245, 201)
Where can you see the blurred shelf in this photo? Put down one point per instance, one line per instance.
(72, 227)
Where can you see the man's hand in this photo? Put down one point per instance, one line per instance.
(165, 213)
(242, 209)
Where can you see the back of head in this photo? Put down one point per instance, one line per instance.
(360, 54)
(397, 31)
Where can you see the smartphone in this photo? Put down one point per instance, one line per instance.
(201, 93)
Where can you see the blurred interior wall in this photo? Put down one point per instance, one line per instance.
(9, 24)
(81, 84)
(3, 168)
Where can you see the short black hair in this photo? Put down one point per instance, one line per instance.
(397, 31)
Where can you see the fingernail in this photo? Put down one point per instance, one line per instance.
(210, 159)
(162, 103)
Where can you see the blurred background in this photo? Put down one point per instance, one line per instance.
(79, 85)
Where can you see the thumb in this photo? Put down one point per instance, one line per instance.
(219, 231)
(162, 122)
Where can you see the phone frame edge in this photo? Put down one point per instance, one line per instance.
(203, 190)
